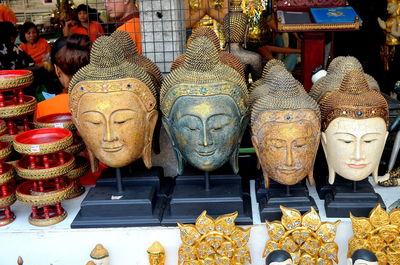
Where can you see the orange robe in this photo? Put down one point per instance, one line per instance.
(57, 104)
(132, 27)
(95, 30)
(37, 50)
(7, 15)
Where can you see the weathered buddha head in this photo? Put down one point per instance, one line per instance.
(133, 56)
(113, 105)
(354, 129)
(362, 257)
(285, 125)
(235, 23)
(204, 105)
(279, 257)
(336, 71)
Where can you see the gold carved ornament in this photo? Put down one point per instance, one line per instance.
(306, 238)
(380, 234)
(214, 242)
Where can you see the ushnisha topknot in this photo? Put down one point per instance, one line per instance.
(133, 56)
(107, 62)
(203, 74)
(354, 99)
(283, 92)
(266, 69)
(226, 57)
(235, 23)
(337, 69)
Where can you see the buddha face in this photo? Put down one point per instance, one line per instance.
(155, 259)
(205, 131)
(353, 147)
(286, 146)
(116, 127)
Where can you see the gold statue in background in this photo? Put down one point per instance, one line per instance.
(211, 241)
(156, 254)
(380, 234)
(258, 27)
(306, 238)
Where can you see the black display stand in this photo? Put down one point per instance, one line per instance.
(129, 196)
(270, 200)
(218, 193)
(347, 196)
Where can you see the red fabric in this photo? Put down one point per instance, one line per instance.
(95, 30)
(132, 27)
(7, 15)
(37, 50)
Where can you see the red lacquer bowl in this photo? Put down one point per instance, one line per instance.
(42, 141)
(56, 120)
(15, 79)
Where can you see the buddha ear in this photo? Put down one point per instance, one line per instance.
(254, 140)
(332, 173)
(94, 162)
(148, 139)
(179, 159)
(234, 160)
(311, 173)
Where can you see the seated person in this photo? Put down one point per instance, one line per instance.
(68, 55)
(12, 57)
(37, 48)
(85, 26)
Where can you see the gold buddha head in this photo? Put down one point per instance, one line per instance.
(113, 105)
(354, 128)
(204, 105)
(285, 125)
(156, 254)
(235, 24)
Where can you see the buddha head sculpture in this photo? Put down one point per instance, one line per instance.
(354, 128)
(226, 57)
(362, 257)
(133, 56)
(204, 105)
(235, 23)
(336, 71)
(279, 257)
(100, 255)
(113, 105)
(285, 125)
(156, 253)
(264, 76)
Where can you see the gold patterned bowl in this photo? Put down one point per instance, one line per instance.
(5, 150)
(77, 147)
(56, 120)
(42, 141)
(81, 167)
(7, 200)
(7, 173)
(40, 172)
(26, 196)
(12, 110)
(15, 79)
(3, 127)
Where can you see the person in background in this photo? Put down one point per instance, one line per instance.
(126, 12)
(33, 45)
(7, 15)
(11, 56)
(85, 26)
(68, 55)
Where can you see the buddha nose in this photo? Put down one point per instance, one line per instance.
(357, 154)
(207, 138)
(289, 156)
(109, 134)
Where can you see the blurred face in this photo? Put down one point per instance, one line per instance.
(205, 129)
(83, 16)
(113, 126)
(353, 147)
(391, 8)
(116, 8)
(31, 36)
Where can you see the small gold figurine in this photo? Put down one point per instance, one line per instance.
(100, 255)
(306, 238)
(156, 254)
(380, 234)
(211, 241)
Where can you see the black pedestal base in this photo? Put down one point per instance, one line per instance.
(189, 199)
(140, 204)
(342, 198)
(271, 199)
